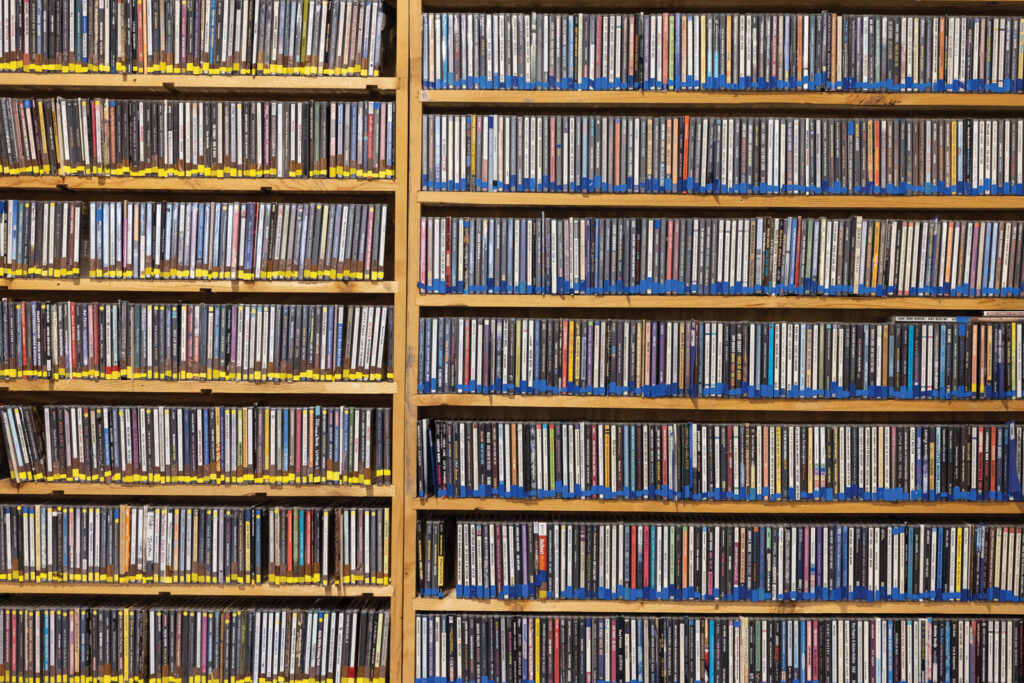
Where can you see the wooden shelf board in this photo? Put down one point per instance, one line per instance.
(86, 284)
(10, 488)
(196, 589)
(864, 6)
(452, 604)
(173, 84)
(196, 387)
(725, 201)
(314, 185)
(695, 301)
(712, 99)
(807, 507)
(683, 403)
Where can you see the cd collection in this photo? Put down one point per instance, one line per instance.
(903, 358)
(692, 461)
(688, 561)
(722, 256)
(240, 342)
(531, 648)
(748, 560)
(197, 138)
(244, 37)
(722, 155)
(155, 642)
(41, 239)
(432, 563)
(299, 546)
(52, 542)
(364, 535)
(193, 240)
(252, 444)
(735, 51)
(237, 241)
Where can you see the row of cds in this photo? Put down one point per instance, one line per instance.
(733, 256)
(153, 642)
(242, 342)
(749, 560)
(198, 444)
(299, 546)
(39, 238)
(193, 240)
(530, 648)
(907, 357)
(432, 561)
(735, 51)
(722, 155)
(51, 542)
(251, 37)
(707, 461)
(197, 138)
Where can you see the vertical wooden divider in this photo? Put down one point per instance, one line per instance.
(412, 322)
(399, 505)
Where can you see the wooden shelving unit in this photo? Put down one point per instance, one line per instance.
(464, 406)
(410, 203)
(394, 191)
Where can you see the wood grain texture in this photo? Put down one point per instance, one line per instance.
(399, 460)
(412, 321)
